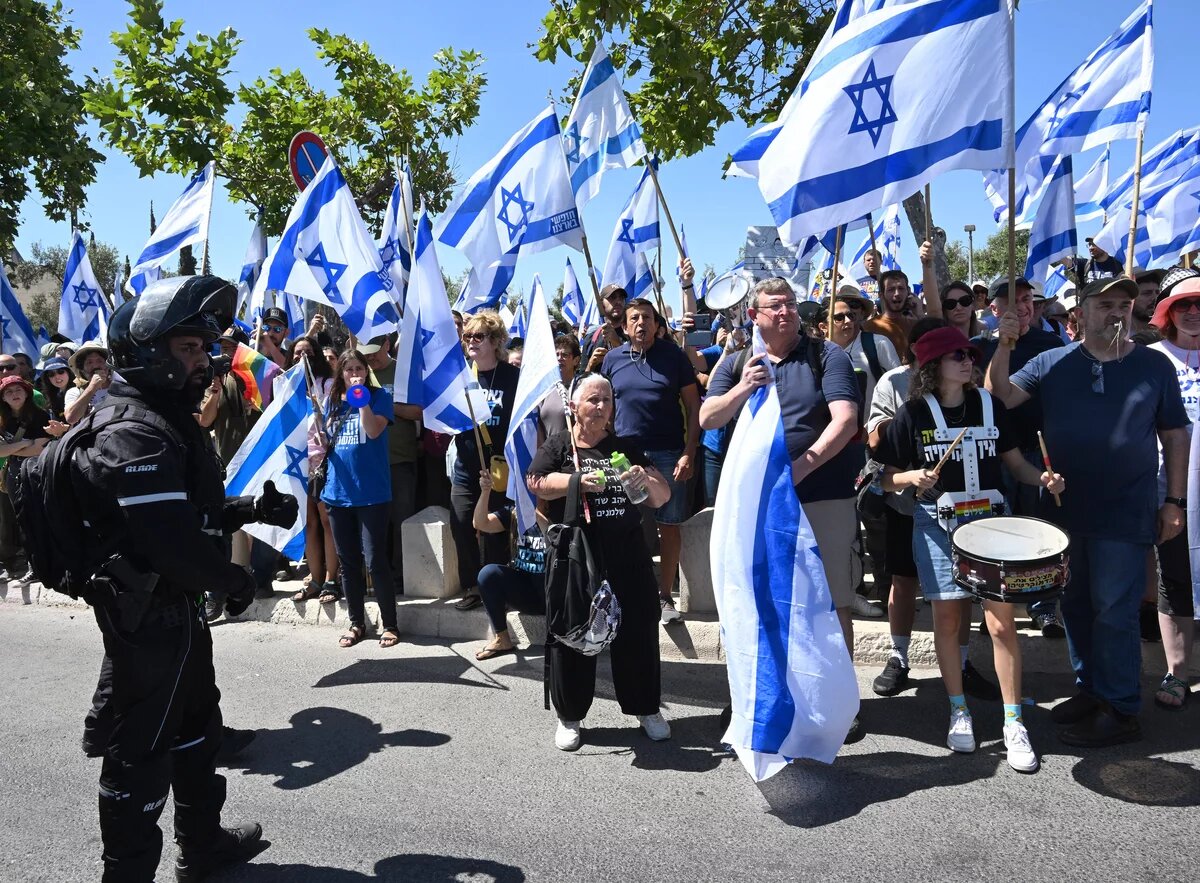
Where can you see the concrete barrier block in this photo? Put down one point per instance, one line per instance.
(695, 580)
(526, 629)
(430, 564)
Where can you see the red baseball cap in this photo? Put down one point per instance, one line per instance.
(940, 342)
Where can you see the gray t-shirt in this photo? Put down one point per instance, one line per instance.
(890, 393)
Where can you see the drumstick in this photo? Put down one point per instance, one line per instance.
(1046, 460)
(937, 470)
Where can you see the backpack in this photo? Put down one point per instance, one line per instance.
(63, 549)
(813, 354)
(581, 610)
(871, 351)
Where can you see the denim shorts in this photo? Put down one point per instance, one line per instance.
(674, 511)
(931, 551)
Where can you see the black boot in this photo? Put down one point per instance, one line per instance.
(232, 846)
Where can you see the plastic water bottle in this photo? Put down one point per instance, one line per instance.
(637, 493)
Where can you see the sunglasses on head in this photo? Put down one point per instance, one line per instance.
(961, 355)
(949, 303)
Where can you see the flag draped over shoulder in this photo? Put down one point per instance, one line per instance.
(869, 124)
(16, 334)
(185, 223)
(277, 450)
(791, 681)
(81, 312)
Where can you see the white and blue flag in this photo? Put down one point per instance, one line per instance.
(16, 334)
(520, 202)
(277, 450)
(1174, 149)
(395, 238)
(1090, 189)
(185, 223)
(887, 241)
(573, 307)
(1173, 219)
(327, 255)
(519, 323)
(868, 125)
(636, 231)
(791, 681)
(256, 253)
(431, 370)
(1104, 99)
(539, 374)
(1058, 284)
(1053, 235)
(485, 289)
(81, 312)
(644, 282)
(601, 132)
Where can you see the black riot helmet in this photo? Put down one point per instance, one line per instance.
(140, 330)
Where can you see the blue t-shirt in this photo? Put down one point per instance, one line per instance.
(1105, 445)
(646, 392)
(1027, 419)
(805, 412)
(358, 466)
(715, 440)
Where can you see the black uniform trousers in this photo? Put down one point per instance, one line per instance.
(157, 722)
(634, 651)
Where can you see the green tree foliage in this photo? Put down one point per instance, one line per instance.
(690, 66)
(167, 105)
(991, 260)
(51, 261)
(41, 115)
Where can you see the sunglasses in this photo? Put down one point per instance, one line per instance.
(11, 366)
(961, 355)
(476, 335)
(949, 303)
(274, 329)
(1185, 306)
(843, 317)
(53, 371)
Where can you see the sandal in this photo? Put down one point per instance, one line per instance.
(306, 594)
(490, 652)
(389, 638)
(1176, 689)
(330, 593)
(353, 636)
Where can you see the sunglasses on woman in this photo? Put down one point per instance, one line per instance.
(1186, 306)
(949, 303)
(961, 355)
(476, 335)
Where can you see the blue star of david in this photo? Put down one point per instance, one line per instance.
(3, 328)
(296, 456)
(509, 198)
(574, 142)
(1067, 99)
(85, 297)
(333, 272)
(390, 251)
(882, 86)
(626, 234)
(426, 337)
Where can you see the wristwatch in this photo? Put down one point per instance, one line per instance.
(1181, 502)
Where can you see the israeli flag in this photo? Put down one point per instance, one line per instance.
(601, 132)
(1104, 99)
(518, 325)
(262, 299)
(573, 306)
(887, 241)
(643, 278)
(868, 125)
(185, 223)
(79, 311)
(1058, 284)
(43, 337)
(791, 680)
(591, 313)
(1172, 219)
(16, 334)
(256, 253)
(1091, 188)
(277, 450)
(431, 370)
(1053, 235)
(539, 374)
(118, 294)
(326, 255)
(1175, 149)
(485, 289)
(519, 202)
(396, 235)
(636, 232)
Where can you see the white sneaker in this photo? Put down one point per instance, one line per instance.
(656, 726)
(961, 737)
(567, 737)
(668, 611)
(863, 607)
(1021, 756)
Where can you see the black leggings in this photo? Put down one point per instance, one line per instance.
(471, 551)
(1175, 577)
(503, 587)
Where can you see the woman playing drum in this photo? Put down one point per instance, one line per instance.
(942, 403)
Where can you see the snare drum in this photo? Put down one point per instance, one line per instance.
(1011, 558)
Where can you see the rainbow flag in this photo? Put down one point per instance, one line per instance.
(257, 373)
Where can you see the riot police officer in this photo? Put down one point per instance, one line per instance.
(148, 486)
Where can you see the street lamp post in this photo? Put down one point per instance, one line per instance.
(970, 231)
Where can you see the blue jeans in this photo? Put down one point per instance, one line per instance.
(1100, 613)
(361, 533)
(712, 474)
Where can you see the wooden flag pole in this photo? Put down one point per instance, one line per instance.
(1137, 193)
(837, 260)
(666, 211)
(928, 215)
(874, 247)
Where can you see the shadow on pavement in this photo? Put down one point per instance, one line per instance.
(412, 670)
(692, 748)
(321, 743)
(411, 868)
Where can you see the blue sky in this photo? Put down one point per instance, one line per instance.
(1053, 36)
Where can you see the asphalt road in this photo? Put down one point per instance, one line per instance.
(416, 764)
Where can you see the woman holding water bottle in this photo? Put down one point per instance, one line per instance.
(614, 471)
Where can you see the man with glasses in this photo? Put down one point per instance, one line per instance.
(272, 335)
(1106, 406)
(818, 400)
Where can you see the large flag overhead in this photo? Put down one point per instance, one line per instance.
(539, 374)
(1091, 188)
(1104, 99)
(1172, 219)
(1053, 235)
(868, 124)
(520, 202)
(573, 306)
(484, 289)
(81, 312)
(601, 132)
(277, 450)
(1177, 148)
(431, 370)
(326, 255)
(394, 239)
(16, 334)
(256, 253)
(185, 223)
(791, 681)
(643, 278)
(636, 231)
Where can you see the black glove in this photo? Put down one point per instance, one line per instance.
(241, 594)
(274, 508)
